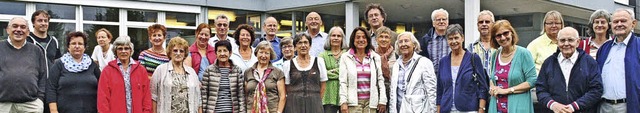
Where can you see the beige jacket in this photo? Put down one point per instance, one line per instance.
(348, 81)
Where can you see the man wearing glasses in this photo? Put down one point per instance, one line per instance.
(434, 44)
(482, 46)
(222, 28)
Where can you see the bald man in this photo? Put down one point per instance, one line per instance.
(314, 23)
(22, 71)
(569, 80)
(270, 28)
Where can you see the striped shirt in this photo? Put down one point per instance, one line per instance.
(364, 78)
(151, 60)
(438, 48)
(223, 105)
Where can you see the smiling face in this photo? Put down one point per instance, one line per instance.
(622, 23)
(123, 52)
(360, 40)
(552, 25)
(222, 26)
(406, 45)
(313, 22)
(271, 26)
(484, 24)
(336, 38)
(568, 41)
(302, 46)
(178, 54)
(223, 53)
(375, 18)
(76, 47)
(287, 50)
(384, 39)
(264, 56)
(18, 30)
(244, 38)
(504, 37)
(203, 36)
(455, 41)
(441, 21)
(600, 25)
(157, 38)
(41, 23)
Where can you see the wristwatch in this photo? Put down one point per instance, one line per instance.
(483, 108)
(511, 90)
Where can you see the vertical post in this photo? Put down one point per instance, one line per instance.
(294, 23)
(471, 11)
(351, 17)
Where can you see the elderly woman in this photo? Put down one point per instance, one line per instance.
(202, 54)
(543, 46)
(244, 57)
(101, 53)
(223, 83)
(599, 31)
(154, 56)
(385, 49)
(175, 87)
(286, 45)
(265, 86)
(419, 95)
(512, 74)
(135, 96)
(305, 77)
(73, 79)
(462, 83)
(334, 47)
(362, 87)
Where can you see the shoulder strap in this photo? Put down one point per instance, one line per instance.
(413, 67)
(473, 69)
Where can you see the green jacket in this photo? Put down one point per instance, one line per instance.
(522, 70)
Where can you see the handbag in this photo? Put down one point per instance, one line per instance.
(475, 78)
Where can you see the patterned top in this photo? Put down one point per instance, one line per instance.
(402, 71)
(223, 104)
(438, 48)
(502, 73)
(151, 60)
(179, 93)
(126, 75)
(332, 87)
(364, 76)
(485, 54)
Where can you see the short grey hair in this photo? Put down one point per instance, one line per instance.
(433, 14)
(487, 12)
(413, 39)
(454, 29)
(122, 41)
(572, 30)
(600, 13)
(633, 16)
(17, 18)
(222, 16)
(266, 45)
(345, 41)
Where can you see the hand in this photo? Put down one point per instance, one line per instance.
(568, 109)
(557, 108)
(480, 110)
(382, 108)
(503, 91)
(344, 108)
(492, 90)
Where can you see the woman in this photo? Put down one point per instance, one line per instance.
(135, 96)
(361, 83)
(512, 73)
(244, 57)
(413, 86)
(599, 32)
(265, 83)
(286, 45)
(462, 83)
(175, 88)
(223, 83)
(101, 53)
(73, 79)
(386, 51)
(305, 77)
(154, 56)
(543, 46)
(334, 47)
(202, 54)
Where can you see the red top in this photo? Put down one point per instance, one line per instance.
(502, 81)
(111, 90)
(196, 57)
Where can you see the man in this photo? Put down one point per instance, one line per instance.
(314, 22)
(270, 27)
(543, 46)
(483, 45)
(376, 17)
(222, 28)
(22, 71)
(434, 42)
(619, 59)
(569, 80)
(40, 37)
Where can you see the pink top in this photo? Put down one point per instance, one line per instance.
(502, 81)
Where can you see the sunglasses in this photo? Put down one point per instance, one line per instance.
(178, 51)
(503, 34)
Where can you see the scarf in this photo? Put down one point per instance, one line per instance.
(260, 94)
(384, 54)
(72, 66)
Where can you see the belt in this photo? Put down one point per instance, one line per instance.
(614, 101)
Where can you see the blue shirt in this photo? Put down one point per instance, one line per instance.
(613, 73)
(204, 62)
(317, 43)
(126, 75)
(454, 77)
(438, 48)
(275, 44)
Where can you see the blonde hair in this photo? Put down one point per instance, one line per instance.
(177, 42)
(264, 45)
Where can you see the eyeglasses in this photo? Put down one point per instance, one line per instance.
(178, 51)
(222, 25)
(503, 34)
(123, 48)
(567, 40)
(484, 22)
(440, 19)
(552, 23)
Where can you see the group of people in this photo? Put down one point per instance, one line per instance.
(369, 71)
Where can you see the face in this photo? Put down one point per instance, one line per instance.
(552, 25)
(123, 52)
(264, 56)
(103, 39)
(484, 25)
(360, 40)
(203, 36)
(336, 38)
(178, 54)
(222, 26)
(271, 26)
(504, 37)
(600, 25)
(313, 21)
(244, 38)
(156, 38)
(41, 23)
(455, 41)
(18, 30)
(384, 39)
(287, 50)
(567, 42)
(223, 53)
(76, 46)
(441, 21)
(622, 24)
(374, 18)
(405, 45)
(302, 46)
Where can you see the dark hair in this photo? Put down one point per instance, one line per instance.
(76, 34)
(299, 37)
(375, 6)
(38, 12)
(353, 38)
(223, 43)
(247, 27)
(153, 28)
(506, 25)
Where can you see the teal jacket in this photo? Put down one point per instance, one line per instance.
(522, 70)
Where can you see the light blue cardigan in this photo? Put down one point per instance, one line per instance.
(522, 70)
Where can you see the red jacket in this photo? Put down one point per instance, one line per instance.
(111, 91)
(195, 56)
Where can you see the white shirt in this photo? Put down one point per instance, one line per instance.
(566, 65)
(237, 60)
(213, 40)
(317, 43)
(321, 67)
(97, 55)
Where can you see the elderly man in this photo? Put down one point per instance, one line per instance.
(482, 46)
(569, 80)
(314, 22)
(434, 43)
(21, 86)
(222, 28)
(375, 17)
(619, 59)
(270, 28)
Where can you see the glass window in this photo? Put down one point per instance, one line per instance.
(142, 16)
(12, 8)
(91, 29)
(58, 11)
(140, 40)
(60, 31)
(284, 19)
(328, 21)
(181, 19)
(3, 28)
(236, 17)
(100, 14)
(187, 34)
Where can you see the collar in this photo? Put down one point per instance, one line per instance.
(625, 41)
(435, 34)
(170, 67)
(353, 52)
(14, 46)
(194, 48)
(131, 61)
(545, 39)
(414, 57)
(264, 37)
(216, 39)
(573, 57)
(320, 34)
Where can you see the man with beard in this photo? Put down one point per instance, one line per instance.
(314, 22)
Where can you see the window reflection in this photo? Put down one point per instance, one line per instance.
(142, 16)
(100, 14)
(236, 17)
(181, 19)
(58, 11)
(140, 40)
(12, 8)
(187, 34)
(60, 31)
(3, 28)
(91, 29)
